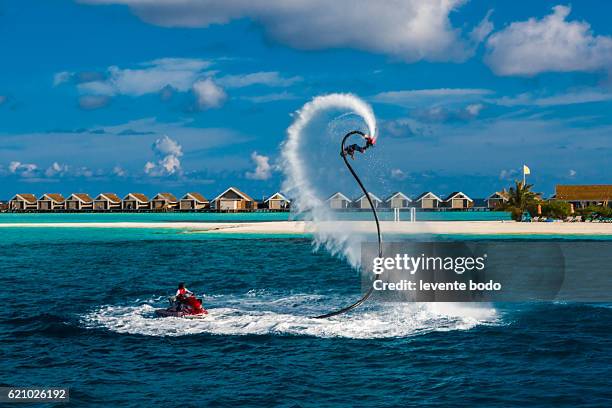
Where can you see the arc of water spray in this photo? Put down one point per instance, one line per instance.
(297, 184)
(346, 162)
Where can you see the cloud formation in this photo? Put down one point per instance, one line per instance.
(23, 169)
(271, 79)
(148, 77)
(168, 152)
(208, 94)
(527, 48)
(263, 169)
(409, 30)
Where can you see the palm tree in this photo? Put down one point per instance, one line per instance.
(520, 196)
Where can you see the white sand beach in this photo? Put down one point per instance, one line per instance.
(388, 227)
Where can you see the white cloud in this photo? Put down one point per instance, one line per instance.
(418, 96)
(149, 77)
(474, 109)
(56, 169)
(410, 30)
(398, 174)
(61, 77)
(271, 97)
(575, 96)
(168, 152)
(263, 169)
(209, 94)
(119, 171)
(572, 173)
(550, 44)
(23, 169)
(272, 79)
(508, 174)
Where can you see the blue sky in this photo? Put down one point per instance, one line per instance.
(144, 95)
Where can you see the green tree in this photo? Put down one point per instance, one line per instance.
(520, 197)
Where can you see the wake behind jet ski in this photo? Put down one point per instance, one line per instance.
(183, 304)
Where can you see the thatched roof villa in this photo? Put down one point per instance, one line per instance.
(79, 202)
(164, 201)
(458, 200)
(277, 201)
(363, 203)
(193, 201)
(428, 200)
(339, 201)
(135, 202)
(233, 199)
(584, 195)
(398, 200)
(51, 201)
(107, 202)
(23, 202)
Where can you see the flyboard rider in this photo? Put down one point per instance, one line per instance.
(350, 150)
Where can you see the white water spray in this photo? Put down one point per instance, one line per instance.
(297, 184)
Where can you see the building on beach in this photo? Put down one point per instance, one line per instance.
(164, 202)
(581, 196)
(363, 203)
(193, 202)
(277, 201)
(497, 199)
(50, 202)
(398, 200)
(233, 199)
(428, 200)
(23, 202)
(458, 200)
(107, 202)
(339, 201)
(79, 202)
(135, 202)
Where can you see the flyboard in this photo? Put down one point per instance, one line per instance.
(350, 151)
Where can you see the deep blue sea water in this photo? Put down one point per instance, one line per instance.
(78, 312)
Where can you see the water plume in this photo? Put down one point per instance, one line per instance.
(306, 200)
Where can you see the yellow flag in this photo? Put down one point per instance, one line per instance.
(526, 170)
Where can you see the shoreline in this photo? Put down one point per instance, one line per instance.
(388, 227)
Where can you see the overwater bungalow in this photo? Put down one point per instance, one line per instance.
(164, 201)
(363, 203)
(581, 196)
(107, 202)
(79, 202)
(277, 201)
(428, 200)
(51, 202)
(497, 199)
(23, 202)
(135, 202)
(233, 199)
(398, 200)
(193, 202)
(338, 201)
(458, 200)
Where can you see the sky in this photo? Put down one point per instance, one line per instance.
(196, 95)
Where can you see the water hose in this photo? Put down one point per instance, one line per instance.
(343, 153)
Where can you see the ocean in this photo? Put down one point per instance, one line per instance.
(78, 312)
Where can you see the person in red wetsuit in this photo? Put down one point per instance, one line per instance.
(350, 150)
(185, 297)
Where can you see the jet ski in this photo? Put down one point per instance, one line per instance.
(188, 307)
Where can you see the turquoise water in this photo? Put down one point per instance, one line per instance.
(78, 312)
(237, 217)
